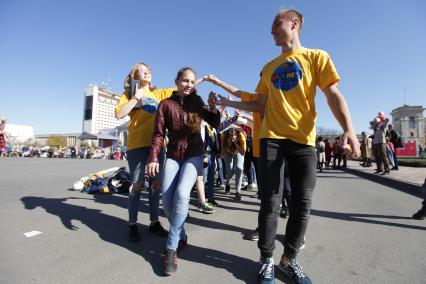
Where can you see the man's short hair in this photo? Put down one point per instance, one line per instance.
(294, 14)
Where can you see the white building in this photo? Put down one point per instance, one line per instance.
(98, 113)
(409, 121)
(18, 134)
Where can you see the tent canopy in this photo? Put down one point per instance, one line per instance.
(87, 136)
(106, 136)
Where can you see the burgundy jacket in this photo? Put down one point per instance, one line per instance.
(183, 142)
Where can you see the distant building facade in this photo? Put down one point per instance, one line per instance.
(123, 133)
(98, 112)
(19, 134)
(410, 123)
(72, 139)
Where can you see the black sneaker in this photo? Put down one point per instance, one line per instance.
(237, 196)
(266, 273)
(294, 272)
(228, 189)
(133, 233)
(213, 202)
(252, 236)
(169, 261)
(284, 213)
(206, 208)
(157, 229)
(419, 215)
(182, 243)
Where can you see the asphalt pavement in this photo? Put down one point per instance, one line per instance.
(360, 231)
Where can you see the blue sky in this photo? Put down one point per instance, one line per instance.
(51, 50)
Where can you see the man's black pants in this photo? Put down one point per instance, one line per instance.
(302, 164)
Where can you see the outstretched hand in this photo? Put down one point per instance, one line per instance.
(212, 100)
(212, 79)
(218, 100)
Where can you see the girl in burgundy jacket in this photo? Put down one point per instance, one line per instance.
(181, 116)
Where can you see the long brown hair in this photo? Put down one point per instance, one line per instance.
(228, 146)
(193, 119)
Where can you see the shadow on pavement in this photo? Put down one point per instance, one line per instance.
(151, 247)
(392, 183)
(356, 217)
(242, 268)
(205, 223)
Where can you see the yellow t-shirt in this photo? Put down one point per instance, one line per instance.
(289, 81)
(256, 124)
(141, 125)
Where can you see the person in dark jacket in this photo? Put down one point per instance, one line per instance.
(181, 116)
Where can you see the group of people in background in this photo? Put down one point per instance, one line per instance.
(3, 136)
(82, 152)
(384, 142)
(331, 154)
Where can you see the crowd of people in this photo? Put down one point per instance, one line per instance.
(82, 152)
(182, 143)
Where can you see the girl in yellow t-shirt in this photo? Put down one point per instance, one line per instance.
(141, 107)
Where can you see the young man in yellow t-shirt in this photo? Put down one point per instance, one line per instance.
(286, 96)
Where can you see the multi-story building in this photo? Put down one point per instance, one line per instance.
(409, 121)
(98, 113)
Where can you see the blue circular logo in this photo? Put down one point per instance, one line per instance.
(149, 105)
(287, 76)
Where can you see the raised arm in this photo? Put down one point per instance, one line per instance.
(257, 105)
(230, 89)
(339, 107)
(127, 107)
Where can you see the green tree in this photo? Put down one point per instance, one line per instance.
(57, 141)
(85, 144)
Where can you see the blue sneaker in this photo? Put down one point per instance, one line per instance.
(266, 272)
(294, 272)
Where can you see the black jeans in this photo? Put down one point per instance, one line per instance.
(302, 165)
(285, 183)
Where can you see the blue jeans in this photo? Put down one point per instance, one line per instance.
(234, 165)
(220, 170)
(137, 160)
(209, 174)
(178, 180)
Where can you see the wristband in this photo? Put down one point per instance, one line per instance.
(134, 98)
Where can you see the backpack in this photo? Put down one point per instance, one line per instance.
(120, 181)
(98, 185)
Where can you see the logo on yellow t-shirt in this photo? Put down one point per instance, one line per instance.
(287, 76)
(149, 105)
